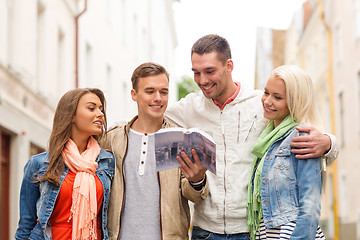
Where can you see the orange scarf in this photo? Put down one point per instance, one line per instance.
(84, 203)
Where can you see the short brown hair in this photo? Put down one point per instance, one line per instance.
(145, 70)
(210, 43)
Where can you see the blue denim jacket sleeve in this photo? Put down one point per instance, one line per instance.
(29, 194)
(308, 174)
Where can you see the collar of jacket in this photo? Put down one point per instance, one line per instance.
(244, 95)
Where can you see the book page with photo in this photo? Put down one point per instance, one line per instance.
(169, 142)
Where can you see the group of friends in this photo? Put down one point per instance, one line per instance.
(270, 154)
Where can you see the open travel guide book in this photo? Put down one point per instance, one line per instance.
(169, 142)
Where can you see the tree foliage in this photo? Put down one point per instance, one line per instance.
(186, 86)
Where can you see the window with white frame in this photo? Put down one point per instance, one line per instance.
(357, 18)
(339, 51)
(9, 30)
(327, 114)
(358, 100)
(109, 81)
(343, 196)
(341, 118)
(324, 48)
(89, 65)
(61, 62)
(40, 50)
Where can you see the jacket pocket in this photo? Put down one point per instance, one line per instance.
(282, 158)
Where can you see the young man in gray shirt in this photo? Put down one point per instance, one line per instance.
(145, 204)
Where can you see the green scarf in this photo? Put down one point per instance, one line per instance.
(262, 145)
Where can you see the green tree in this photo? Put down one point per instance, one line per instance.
(186, 86)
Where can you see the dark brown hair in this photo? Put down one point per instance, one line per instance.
(211, 43)
(145, 70)
(61, 131)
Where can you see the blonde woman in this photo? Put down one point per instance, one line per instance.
(284, 192)
(65, 191)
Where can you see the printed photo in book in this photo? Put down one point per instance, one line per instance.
(169, 142)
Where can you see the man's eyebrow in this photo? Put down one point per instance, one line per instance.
(208, 68)
(149, 88)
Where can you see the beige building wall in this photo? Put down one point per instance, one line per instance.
(308, 46)
(116, 37)
(344, 20)
(37, 65)
(29, 80)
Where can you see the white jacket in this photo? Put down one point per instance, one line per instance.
(235, 130)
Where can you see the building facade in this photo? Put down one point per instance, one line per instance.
(324, 39)
(50, 47)
(270, 46)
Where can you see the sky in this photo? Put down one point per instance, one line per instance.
(235, 20)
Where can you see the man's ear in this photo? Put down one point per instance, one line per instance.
(133, 95)
(229, 66)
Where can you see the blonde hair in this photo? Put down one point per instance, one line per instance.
(299, 94)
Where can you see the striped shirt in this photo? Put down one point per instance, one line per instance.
(282, 232)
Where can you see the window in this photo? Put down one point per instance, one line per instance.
(339, 52)
(357, 18)
(61, 62)
(324, 48)
(10, 31)
(341, 119)
(88, 66)
(343, 196)
(109, 81)
(40, 51)
(327, 113)
(34, 149)
(123, 22)
(358, 101)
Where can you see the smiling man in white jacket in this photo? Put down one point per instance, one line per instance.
(233, 116)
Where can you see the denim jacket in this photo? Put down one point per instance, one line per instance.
(37, 200)
(291, 188)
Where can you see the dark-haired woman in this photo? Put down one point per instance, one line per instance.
(65, 191)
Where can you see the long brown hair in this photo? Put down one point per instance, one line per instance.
(61, 131)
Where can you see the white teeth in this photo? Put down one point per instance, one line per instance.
(156, 106)
(207, 88)
(267, 109)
